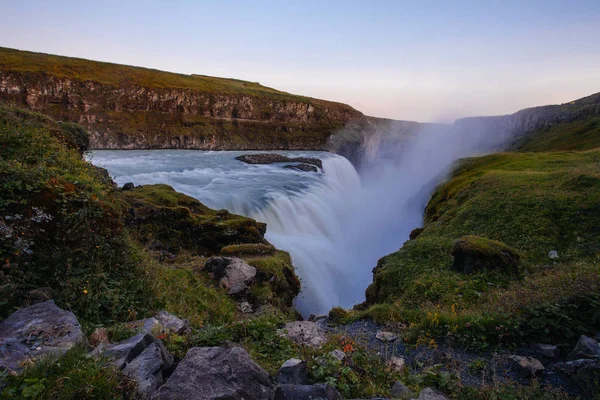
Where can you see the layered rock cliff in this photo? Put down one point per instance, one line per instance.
(531, 119)
(135, 108)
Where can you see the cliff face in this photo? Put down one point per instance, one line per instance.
(532, 119)
(145, 109)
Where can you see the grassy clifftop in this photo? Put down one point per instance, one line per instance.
(117, 74)
(129, 107)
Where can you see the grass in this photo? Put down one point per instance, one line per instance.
(74, 375)
(117, 75)
(530, 202)
(61, 225)
(575, 135)
(179, 222)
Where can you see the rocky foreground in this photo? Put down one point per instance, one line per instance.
(44, 330)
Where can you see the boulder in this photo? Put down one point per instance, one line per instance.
(302, 167)
(293, 371)
(319, 391)
(526, 367)
(210, 373)
(162, 322)
(270, 158)
(305, 333)
(396, 363)
(171, 323)
(234, 274)
(128, 186)
(586, 347)
(473, 254)
(126, 351)
(149, 368)
(547, 350)
(585, 373)
(431, 394)
(385, 336)
(38, 330)
(400, 391)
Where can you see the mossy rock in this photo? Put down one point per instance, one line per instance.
(473, 254)
(180, 222)
(277, 271)
(338, 315)
(415, 233)
(248, 249)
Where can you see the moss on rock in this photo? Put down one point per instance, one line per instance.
(474, 254)
(180, 222)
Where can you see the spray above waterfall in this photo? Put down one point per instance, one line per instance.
(336, 224)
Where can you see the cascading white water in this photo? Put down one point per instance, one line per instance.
(336, 224)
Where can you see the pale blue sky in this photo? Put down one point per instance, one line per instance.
(415, 60)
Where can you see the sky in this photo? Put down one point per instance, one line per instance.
(429, 61)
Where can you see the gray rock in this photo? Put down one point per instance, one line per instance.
(526, 367)
(38, 330)
(553, 254)
(385, 336)
(547, 350)
(396, 363)
(234, 274)
(338, 355)
(171, 323)
(429, 358)
(586, 347)
(128, 186)
(431, 394)
(319, 391)
(148, 369)
(210, 373)
(305, 333)
(302, 167)
(585, 373)
(400, 391)
(245, 308)
(270, 158)
(293, 371)
(128, 349)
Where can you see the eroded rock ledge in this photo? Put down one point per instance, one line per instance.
(270, 158)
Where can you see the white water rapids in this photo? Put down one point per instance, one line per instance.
(335, 224)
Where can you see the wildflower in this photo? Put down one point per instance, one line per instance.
(85, 291)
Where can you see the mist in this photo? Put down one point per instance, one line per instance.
(336, 231)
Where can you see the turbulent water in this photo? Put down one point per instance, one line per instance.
(336, 224)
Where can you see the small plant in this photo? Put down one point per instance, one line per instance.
(477, 366)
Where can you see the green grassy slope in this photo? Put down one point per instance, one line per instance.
(576, 135)
(117, 74)
(543, 198)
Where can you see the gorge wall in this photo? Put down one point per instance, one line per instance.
(136, 108)
(531, 119)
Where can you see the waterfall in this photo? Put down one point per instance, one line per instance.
(336, 224)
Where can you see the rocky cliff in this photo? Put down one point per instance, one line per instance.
(531, 119)
(136, 108)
